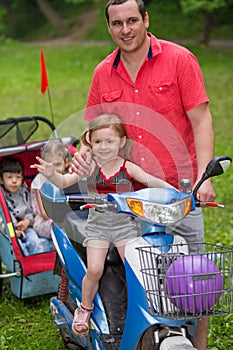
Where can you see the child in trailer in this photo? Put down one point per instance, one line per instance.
(111, 171)
(19, 204)
(54, 150)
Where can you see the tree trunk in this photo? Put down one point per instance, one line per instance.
(50, 14)
(206, 30)
(8, 5)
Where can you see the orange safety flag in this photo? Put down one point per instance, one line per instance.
(44, 78)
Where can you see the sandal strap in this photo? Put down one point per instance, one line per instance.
(84, 308)
(81, 323)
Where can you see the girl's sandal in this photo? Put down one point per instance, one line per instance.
(80, 321)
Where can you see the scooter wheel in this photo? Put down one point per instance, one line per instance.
(147, 342)
(177, 343)
(69, 344)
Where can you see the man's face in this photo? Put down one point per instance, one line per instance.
(12, 181)
(126, 26)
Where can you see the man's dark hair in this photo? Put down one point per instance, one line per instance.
(140, 3)
(10, 165)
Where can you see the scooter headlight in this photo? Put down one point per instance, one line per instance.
(160, 213)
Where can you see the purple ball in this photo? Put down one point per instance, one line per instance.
(193, 283)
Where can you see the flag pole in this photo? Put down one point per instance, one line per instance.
(45, 86)
(51, 110)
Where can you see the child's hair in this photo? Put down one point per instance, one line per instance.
(10, 165)
(108, 121)
(57, 147)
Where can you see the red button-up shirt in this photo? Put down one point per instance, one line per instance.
(153, 108)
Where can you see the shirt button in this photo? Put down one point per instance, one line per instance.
(160, 88)
(136, 90)
(142, 158)
(137, 113)
(140, 136)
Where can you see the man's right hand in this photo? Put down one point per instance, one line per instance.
(81, 163)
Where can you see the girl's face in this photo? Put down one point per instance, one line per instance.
(12, 181)
(106, 144)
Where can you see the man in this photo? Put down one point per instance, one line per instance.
(157, 88)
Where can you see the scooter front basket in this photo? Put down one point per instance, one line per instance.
(180, 286)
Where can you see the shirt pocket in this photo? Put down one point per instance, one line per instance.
(112, 96)
(162, 96)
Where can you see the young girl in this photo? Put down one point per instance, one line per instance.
(110, 172)
(56, 151)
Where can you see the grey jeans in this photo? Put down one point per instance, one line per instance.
(192, 229)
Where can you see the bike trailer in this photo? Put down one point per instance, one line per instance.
(29, 275)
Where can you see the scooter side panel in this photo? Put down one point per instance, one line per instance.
(63, 320)
(76, 270)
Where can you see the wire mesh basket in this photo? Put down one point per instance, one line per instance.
(181, 286)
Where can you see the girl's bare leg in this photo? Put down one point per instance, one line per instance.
(96, 255)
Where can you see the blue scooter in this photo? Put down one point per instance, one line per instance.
(134, 308)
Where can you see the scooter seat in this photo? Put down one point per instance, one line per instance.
(70, 218)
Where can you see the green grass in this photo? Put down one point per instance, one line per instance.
(69, 73)
(28, 324)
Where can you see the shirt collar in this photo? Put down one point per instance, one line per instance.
(154, 49)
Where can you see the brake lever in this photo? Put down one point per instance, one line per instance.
(99, 207)
(208, 204)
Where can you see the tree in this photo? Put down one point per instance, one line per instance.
(19, 16)
(207, 8)
(50, 14)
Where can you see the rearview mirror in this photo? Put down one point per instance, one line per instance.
(217, 166)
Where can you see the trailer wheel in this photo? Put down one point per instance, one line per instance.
(1, 281)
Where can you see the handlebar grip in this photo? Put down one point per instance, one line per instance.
(209, 204)
(88, 206)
